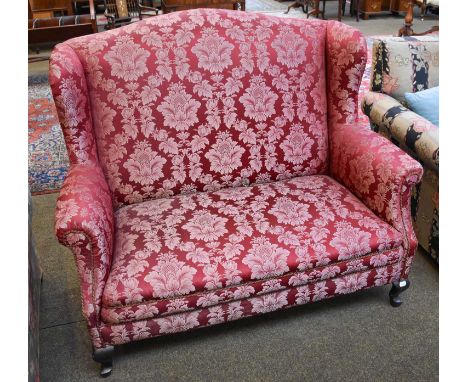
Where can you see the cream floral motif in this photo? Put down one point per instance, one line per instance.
(205, 226)
(350, 241)
(269, 302)
(127, 59)
(174, 324)
(290, 48)
(289, 212)
(297, 146)
(104, 118)
(351, 283)
(65, 210)
(179, 108)
(171, 277)
(225, 155)
(213, 52)
(259, 100)
(72, 102)
(266, 259)
(144, 165)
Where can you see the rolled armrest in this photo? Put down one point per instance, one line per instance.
(84, 222)
(380, 174)
(412, 132)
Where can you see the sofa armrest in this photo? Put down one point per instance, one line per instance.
(410, 131)
(84, 222)
(380, 174)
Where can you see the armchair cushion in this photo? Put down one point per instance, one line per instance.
(202, 249)
(405, 64)
(409, 130)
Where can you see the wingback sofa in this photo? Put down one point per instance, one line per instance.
(399, 65)
(217, 173)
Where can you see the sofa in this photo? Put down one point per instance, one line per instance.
(217, 172)
(409, 64)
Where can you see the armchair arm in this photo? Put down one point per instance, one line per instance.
(84, 222)
(380, 174)
(412, 132)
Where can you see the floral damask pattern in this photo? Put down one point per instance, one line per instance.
(213, 240)
(253, 111)
(241, 79)
(120, 333)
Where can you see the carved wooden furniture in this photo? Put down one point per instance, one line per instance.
(50, 8)
(354, 6)
(179, 5)
(407, 29)
(315, 6)
(426, 5)
(304, 4)
(81, 7)
(121, 12)
(58, 29)
(372, 7)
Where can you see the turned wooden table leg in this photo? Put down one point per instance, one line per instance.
(296, 4)
(340, 8)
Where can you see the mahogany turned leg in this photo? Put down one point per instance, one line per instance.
(293, 5)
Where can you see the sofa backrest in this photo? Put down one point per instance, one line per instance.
(405, 64)
(204, 99)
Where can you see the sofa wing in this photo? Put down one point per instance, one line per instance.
(379, 173)
(409, 130)
(84, 222)
(70, 91)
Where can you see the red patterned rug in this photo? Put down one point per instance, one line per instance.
(48, 160)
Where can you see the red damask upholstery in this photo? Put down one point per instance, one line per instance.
(198, 247)
(216, 171)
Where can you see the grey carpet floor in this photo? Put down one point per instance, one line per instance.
(357, 337)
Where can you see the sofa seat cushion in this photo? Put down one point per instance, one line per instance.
(178, 254)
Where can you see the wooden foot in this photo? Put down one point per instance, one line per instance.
(397, 288)
(104, 357)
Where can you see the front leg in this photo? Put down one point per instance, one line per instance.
(104, 357)
(397, 288)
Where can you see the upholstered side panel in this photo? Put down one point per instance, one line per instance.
(251, 306)
(206, 99)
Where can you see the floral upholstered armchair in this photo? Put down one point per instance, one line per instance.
(409, 64)
(217, 172)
